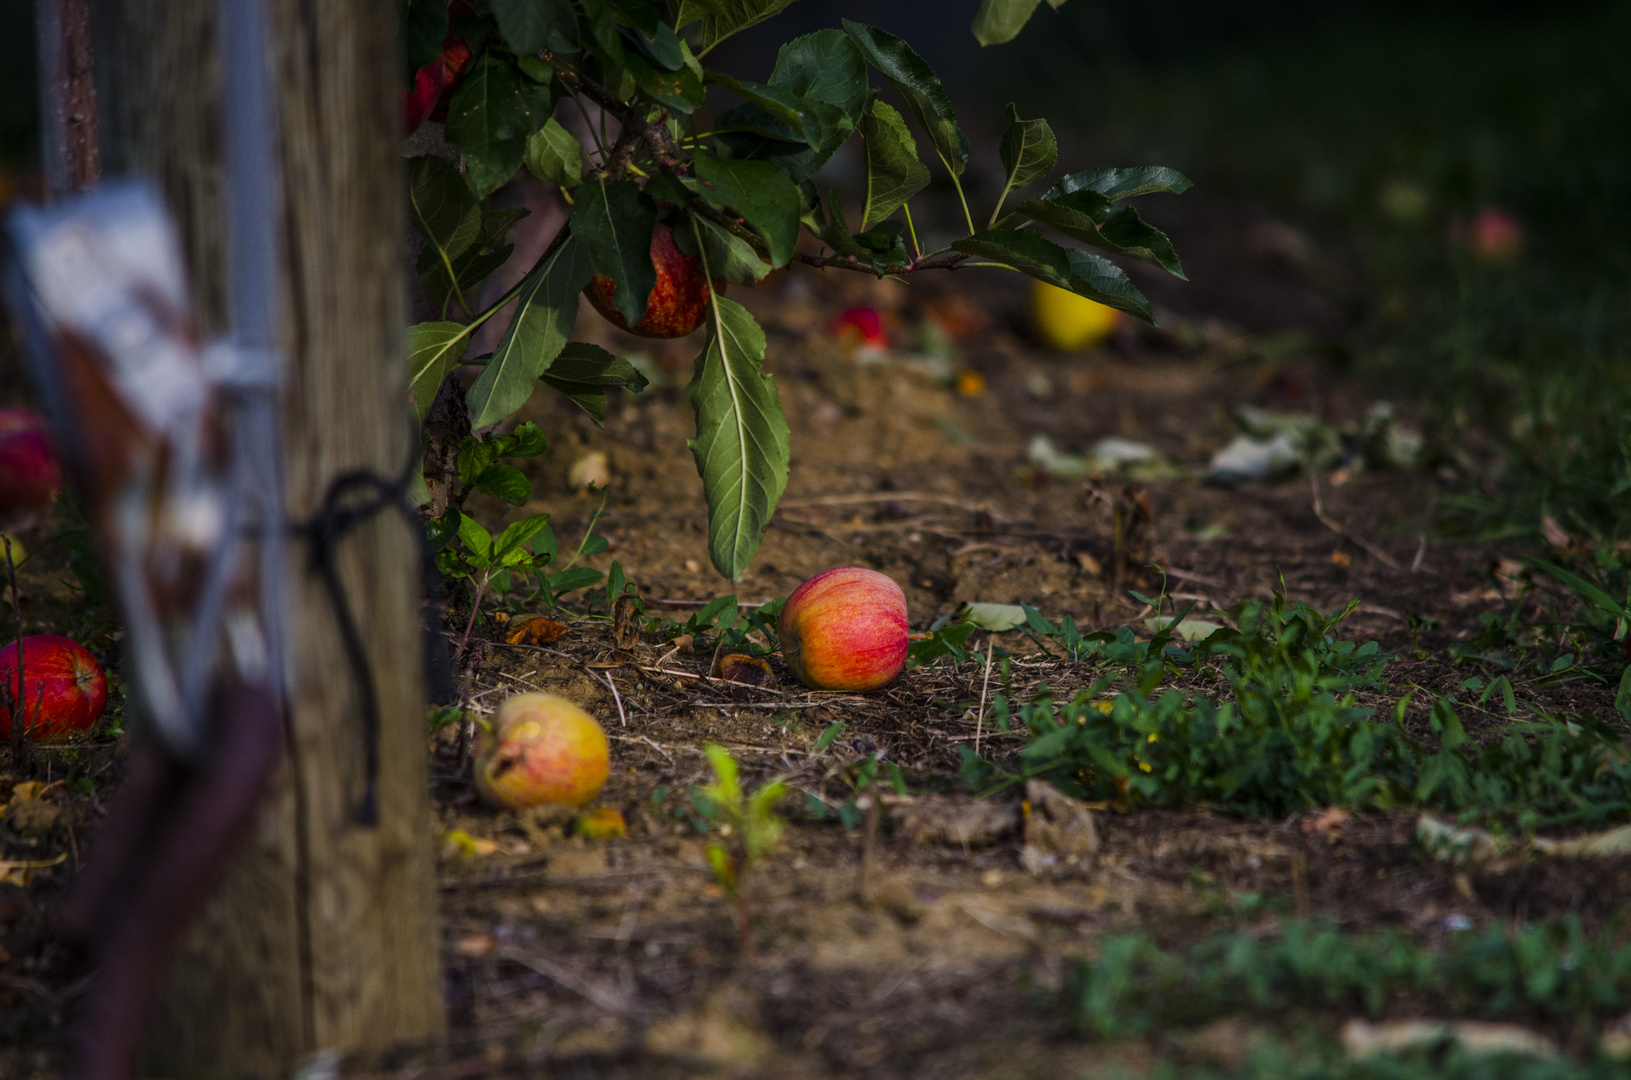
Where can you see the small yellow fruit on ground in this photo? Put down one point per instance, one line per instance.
(1066, 322)
(542, 750)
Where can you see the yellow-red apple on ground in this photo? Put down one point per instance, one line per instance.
(64, 689)
(845, 629)
(676, 304)
(542, 750)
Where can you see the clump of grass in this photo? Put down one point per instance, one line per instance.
(1547, 972)
(1264, 721)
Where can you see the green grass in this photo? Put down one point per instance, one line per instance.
(1263, 720)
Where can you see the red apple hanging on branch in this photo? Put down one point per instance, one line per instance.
(666, 210)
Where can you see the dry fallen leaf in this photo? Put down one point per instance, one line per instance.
(744, 669)
(535, 630)
(1328, 823)
(1364, 1039)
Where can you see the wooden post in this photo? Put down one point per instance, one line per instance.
(67, 80)
(323, 936)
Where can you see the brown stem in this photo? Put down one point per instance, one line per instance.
(464, 642)
(744, 921)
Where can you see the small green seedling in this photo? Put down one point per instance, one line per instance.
(750, 828)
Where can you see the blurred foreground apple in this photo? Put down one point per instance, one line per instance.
(1066, 322)
(64, 688)
(30, 474)
(542, 750)
(676, 304)
(845, 629)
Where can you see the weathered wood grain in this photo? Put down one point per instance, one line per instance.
(324, 934)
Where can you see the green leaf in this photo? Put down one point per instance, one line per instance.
(681, 90)
(615, 221)
(573, 578)
(947, 641)
(424, 26)
(1029, 151)
(729, 256)
(824, 66)
(582, 362)
(918, 86)
(491, 114)
(469, 269)
(544, 313)
(1080, 272)
(1093, 219)
(763, 194)
(722, 18)
(1118, 184)
(474, 456)
(527, 440)
(504, 482)
(555, 154)
(477, 541)
(1125, 233)
(531, 25)
(893, 171)
(837, 233)
(639, 14)
(1000, 21)
(586, 396)
(513, 539)
(441, 207)
(741, 446)
(440, 532)
(829, 735)
(780, 113)
(434, 349)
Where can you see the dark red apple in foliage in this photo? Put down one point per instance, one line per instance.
(433, 85)
(30, 474)
(678, 302)
(64, 689)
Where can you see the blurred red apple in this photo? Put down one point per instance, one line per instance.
(1494, 237)
(30, 474)
(845, 629)
(64, 689)
(678, 302)
(433, 85)
(861, 327)
(542, 750)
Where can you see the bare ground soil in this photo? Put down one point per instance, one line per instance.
(901, 956)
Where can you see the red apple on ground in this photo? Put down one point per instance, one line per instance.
(64, 689)
(30, 474)
(845, 629)
(678, 302)
(542, 750)
(861, 327)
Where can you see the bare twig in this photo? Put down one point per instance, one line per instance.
(621, 715)
(1330, 523)
(979, 723)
